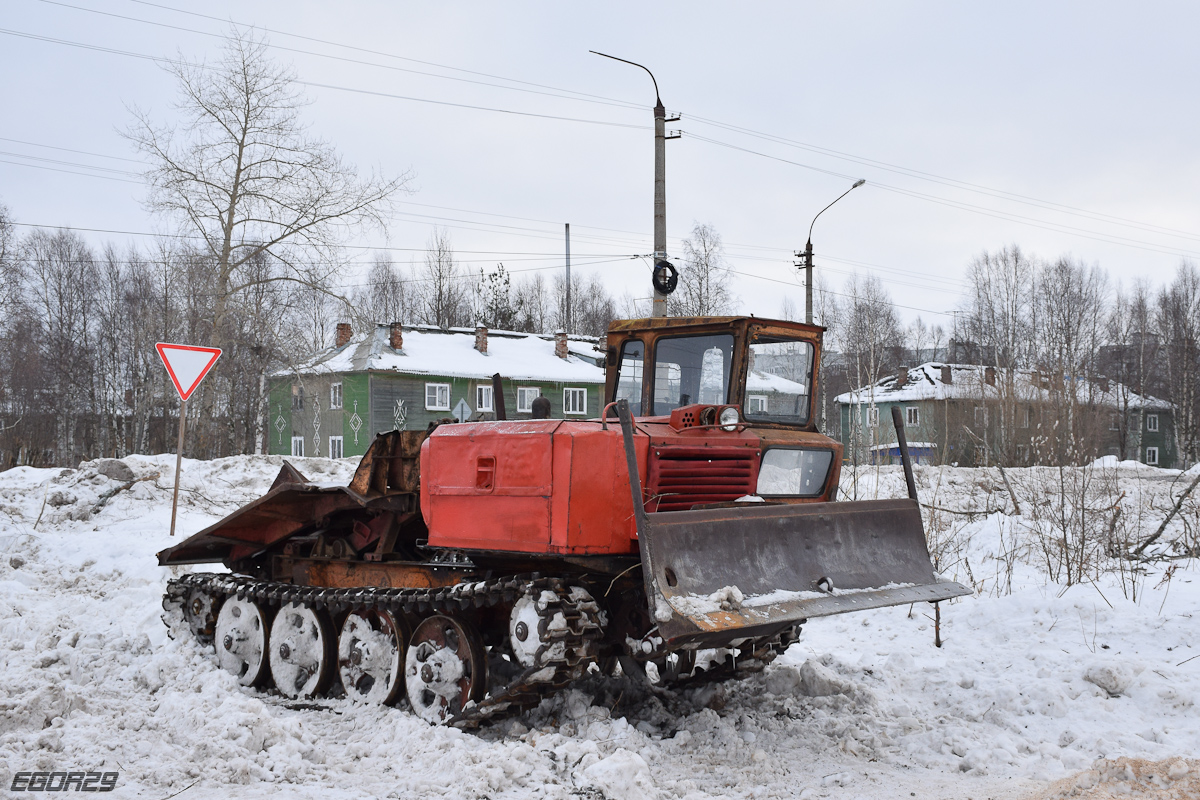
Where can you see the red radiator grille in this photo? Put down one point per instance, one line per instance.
(681, 477)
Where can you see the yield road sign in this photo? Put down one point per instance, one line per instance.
(187, 365)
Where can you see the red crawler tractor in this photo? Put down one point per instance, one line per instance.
(478, 566)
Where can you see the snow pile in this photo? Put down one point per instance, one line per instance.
(1041, 689)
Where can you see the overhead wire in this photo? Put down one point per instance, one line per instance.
(314, 84)
(610, 101)
(574, 95)
(876, 163)
(1008, 216)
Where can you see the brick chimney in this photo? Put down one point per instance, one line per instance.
(481, 339)
(947, 374)
(560, 344)
(396, 336)
(901, 377)
(344, 332)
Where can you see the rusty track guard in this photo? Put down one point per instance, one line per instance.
(791, 562)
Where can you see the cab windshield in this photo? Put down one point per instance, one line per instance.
(691, 369)
(778, 381)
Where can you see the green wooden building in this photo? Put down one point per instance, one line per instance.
(401, 377)
(974, 415)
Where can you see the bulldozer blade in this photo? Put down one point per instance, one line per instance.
(715, 575)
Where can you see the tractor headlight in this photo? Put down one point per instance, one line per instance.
(728, 419)
(788, 472)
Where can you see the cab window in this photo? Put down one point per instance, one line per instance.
(691, 369)
(629, 375)
(779, 381)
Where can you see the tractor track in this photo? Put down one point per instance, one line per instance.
(582, 618)
(567, 616)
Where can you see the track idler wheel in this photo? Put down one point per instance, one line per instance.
(445, 668)
(371, 656)
(199, 612)
(240, 636)
(302, 651)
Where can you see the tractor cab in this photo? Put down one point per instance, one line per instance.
(719, 383)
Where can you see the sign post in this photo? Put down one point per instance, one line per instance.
(187, 366)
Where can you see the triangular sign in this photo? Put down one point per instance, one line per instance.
(187, 365)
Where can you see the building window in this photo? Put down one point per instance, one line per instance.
(1026, 416)
(980, 417)
(873, 417)
(483, 398)
(335, 395)
(1152, 422)
(1114, 422)
(298, 446)
(574, 401)
(525, 397)
(912, 415)
(297, 398)
(1152, 455)
(335, 446)
(981, 456)
(437, 397)
(1023, 453)
(757, 404)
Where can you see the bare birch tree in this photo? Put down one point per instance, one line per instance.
(443, 286)
(241, 176)
(704, 278)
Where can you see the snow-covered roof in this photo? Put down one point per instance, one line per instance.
(766, 382)
(970, 382)
(429, 350)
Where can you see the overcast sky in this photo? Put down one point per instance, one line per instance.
(1065, 128)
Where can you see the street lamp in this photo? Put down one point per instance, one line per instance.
(665, 276)
(808, 253)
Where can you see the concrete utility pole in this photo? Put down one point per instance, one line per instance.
(660, 196)
(567, 312)
(808, 254)
(665, 274)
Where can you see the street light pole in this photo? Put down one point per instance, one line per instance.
(808, 255)
(660, 186)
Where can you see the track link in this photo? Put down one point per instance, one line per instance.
(567, 615)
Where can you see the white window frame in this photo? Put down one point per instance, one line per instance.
(1152, 423)
(484, 400)
(981, 412)
(872, 416)
(336, 448)
(1026, 416)
(1114, 422)
(437, 404)
(335, 395)
(572, 407)
(912, 415)
(297, 397)
(525, 397)
(760, 408)
(298, 446)
(1152, 456)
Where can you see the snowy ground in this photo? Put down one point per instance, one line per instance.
(1035, 683)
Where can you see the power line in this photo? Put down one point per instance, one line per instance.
(70, 150)
(952, 182)
(553, 93)
(595, 97)
(349, 247)
(163, 60)
(840, 294)
(69, 171)
(563, 94)
(1004, 215)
